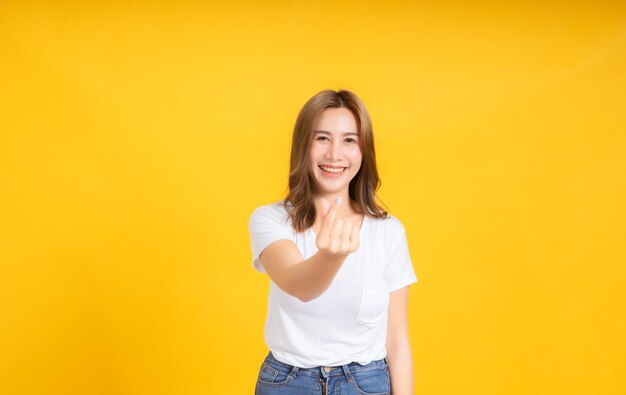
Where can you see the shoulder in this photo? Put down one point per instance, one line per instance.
(392, 225)
(274, 212)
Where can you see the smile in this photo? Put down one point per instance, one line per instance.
(332, 171)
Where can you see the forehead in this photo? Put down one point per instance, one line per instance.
(336, 120)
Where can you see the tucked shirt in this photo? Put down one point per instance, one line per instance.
(348, 322)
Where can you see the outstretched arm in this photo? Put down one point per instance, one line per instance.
(307, 279)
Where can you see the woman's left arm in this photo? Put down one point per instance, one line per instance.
(399, 356)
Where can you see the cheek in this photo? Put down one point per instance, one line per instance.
(313, 156)
(355, 155)
(314, 149)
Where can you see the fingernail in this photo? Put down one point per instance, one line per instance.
(338, 200)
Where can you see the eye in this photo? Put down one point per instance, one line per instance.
(321, 137)
(351, 140)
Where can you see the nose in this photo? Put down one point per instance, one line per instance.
(334, 150)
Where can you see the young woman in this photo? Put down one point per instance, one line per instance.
(338, 264)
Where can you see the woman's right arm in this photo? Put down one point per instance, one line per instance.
(306, 279)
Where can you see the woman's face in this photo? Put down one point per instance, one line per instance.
(336, 145)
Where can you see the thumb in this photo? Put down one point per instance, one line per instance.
(325, 207)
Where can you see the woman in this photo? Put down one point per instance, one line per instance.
(339, 264)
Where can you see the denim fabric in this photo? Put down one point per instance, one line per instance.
(277, 378)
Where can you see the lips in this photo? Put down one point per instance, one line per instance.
(333, 169)
(331, 173)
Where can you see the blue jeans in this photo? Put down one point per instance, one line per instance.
(277, 378)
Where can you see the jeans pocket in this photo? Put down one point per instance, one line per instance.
(274, 374)
(373, 308)
(267, 373)
(372, 381)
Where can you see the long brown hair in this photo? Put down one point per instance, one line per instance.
(299, 200)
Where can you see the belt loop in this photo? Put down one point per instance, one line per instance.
(347, 372)
(294, 371)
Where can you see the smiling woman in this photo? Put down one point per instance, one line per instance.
(339, 273)
(333, 130)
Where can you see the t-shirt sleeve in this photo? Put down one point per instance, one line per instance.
(399, 272)
(266, 225)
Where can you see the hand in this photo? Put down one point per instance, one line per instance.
(336, 237)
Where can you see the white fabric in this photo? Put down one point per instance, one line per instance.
(348, 322)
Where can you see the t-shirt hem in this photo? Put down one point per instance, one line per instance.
(363, 360)
(259, 268)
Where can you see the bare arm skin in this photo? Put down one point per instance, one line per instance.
(306, 279)
(398, 345)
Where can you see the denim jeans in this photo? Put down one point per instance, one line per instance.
(277, 378)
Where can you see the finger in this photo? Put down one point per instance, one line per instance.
(345, 236)
(329, 219)
(325, 206)
(335, 235)
(355, 237)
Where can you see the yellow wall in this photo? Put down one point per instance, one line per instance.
(137, 137)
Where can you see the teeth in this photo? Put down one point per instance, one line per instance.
(331, 170)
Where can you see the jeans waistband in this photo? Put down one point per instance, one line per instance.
(326, 371)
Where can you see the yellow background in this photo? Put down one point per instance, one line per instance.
(137, 137)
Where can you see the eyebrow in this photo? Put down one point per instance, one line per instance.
(345, 134)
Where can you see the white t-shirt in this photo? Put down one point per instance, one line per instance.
(348, 322)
